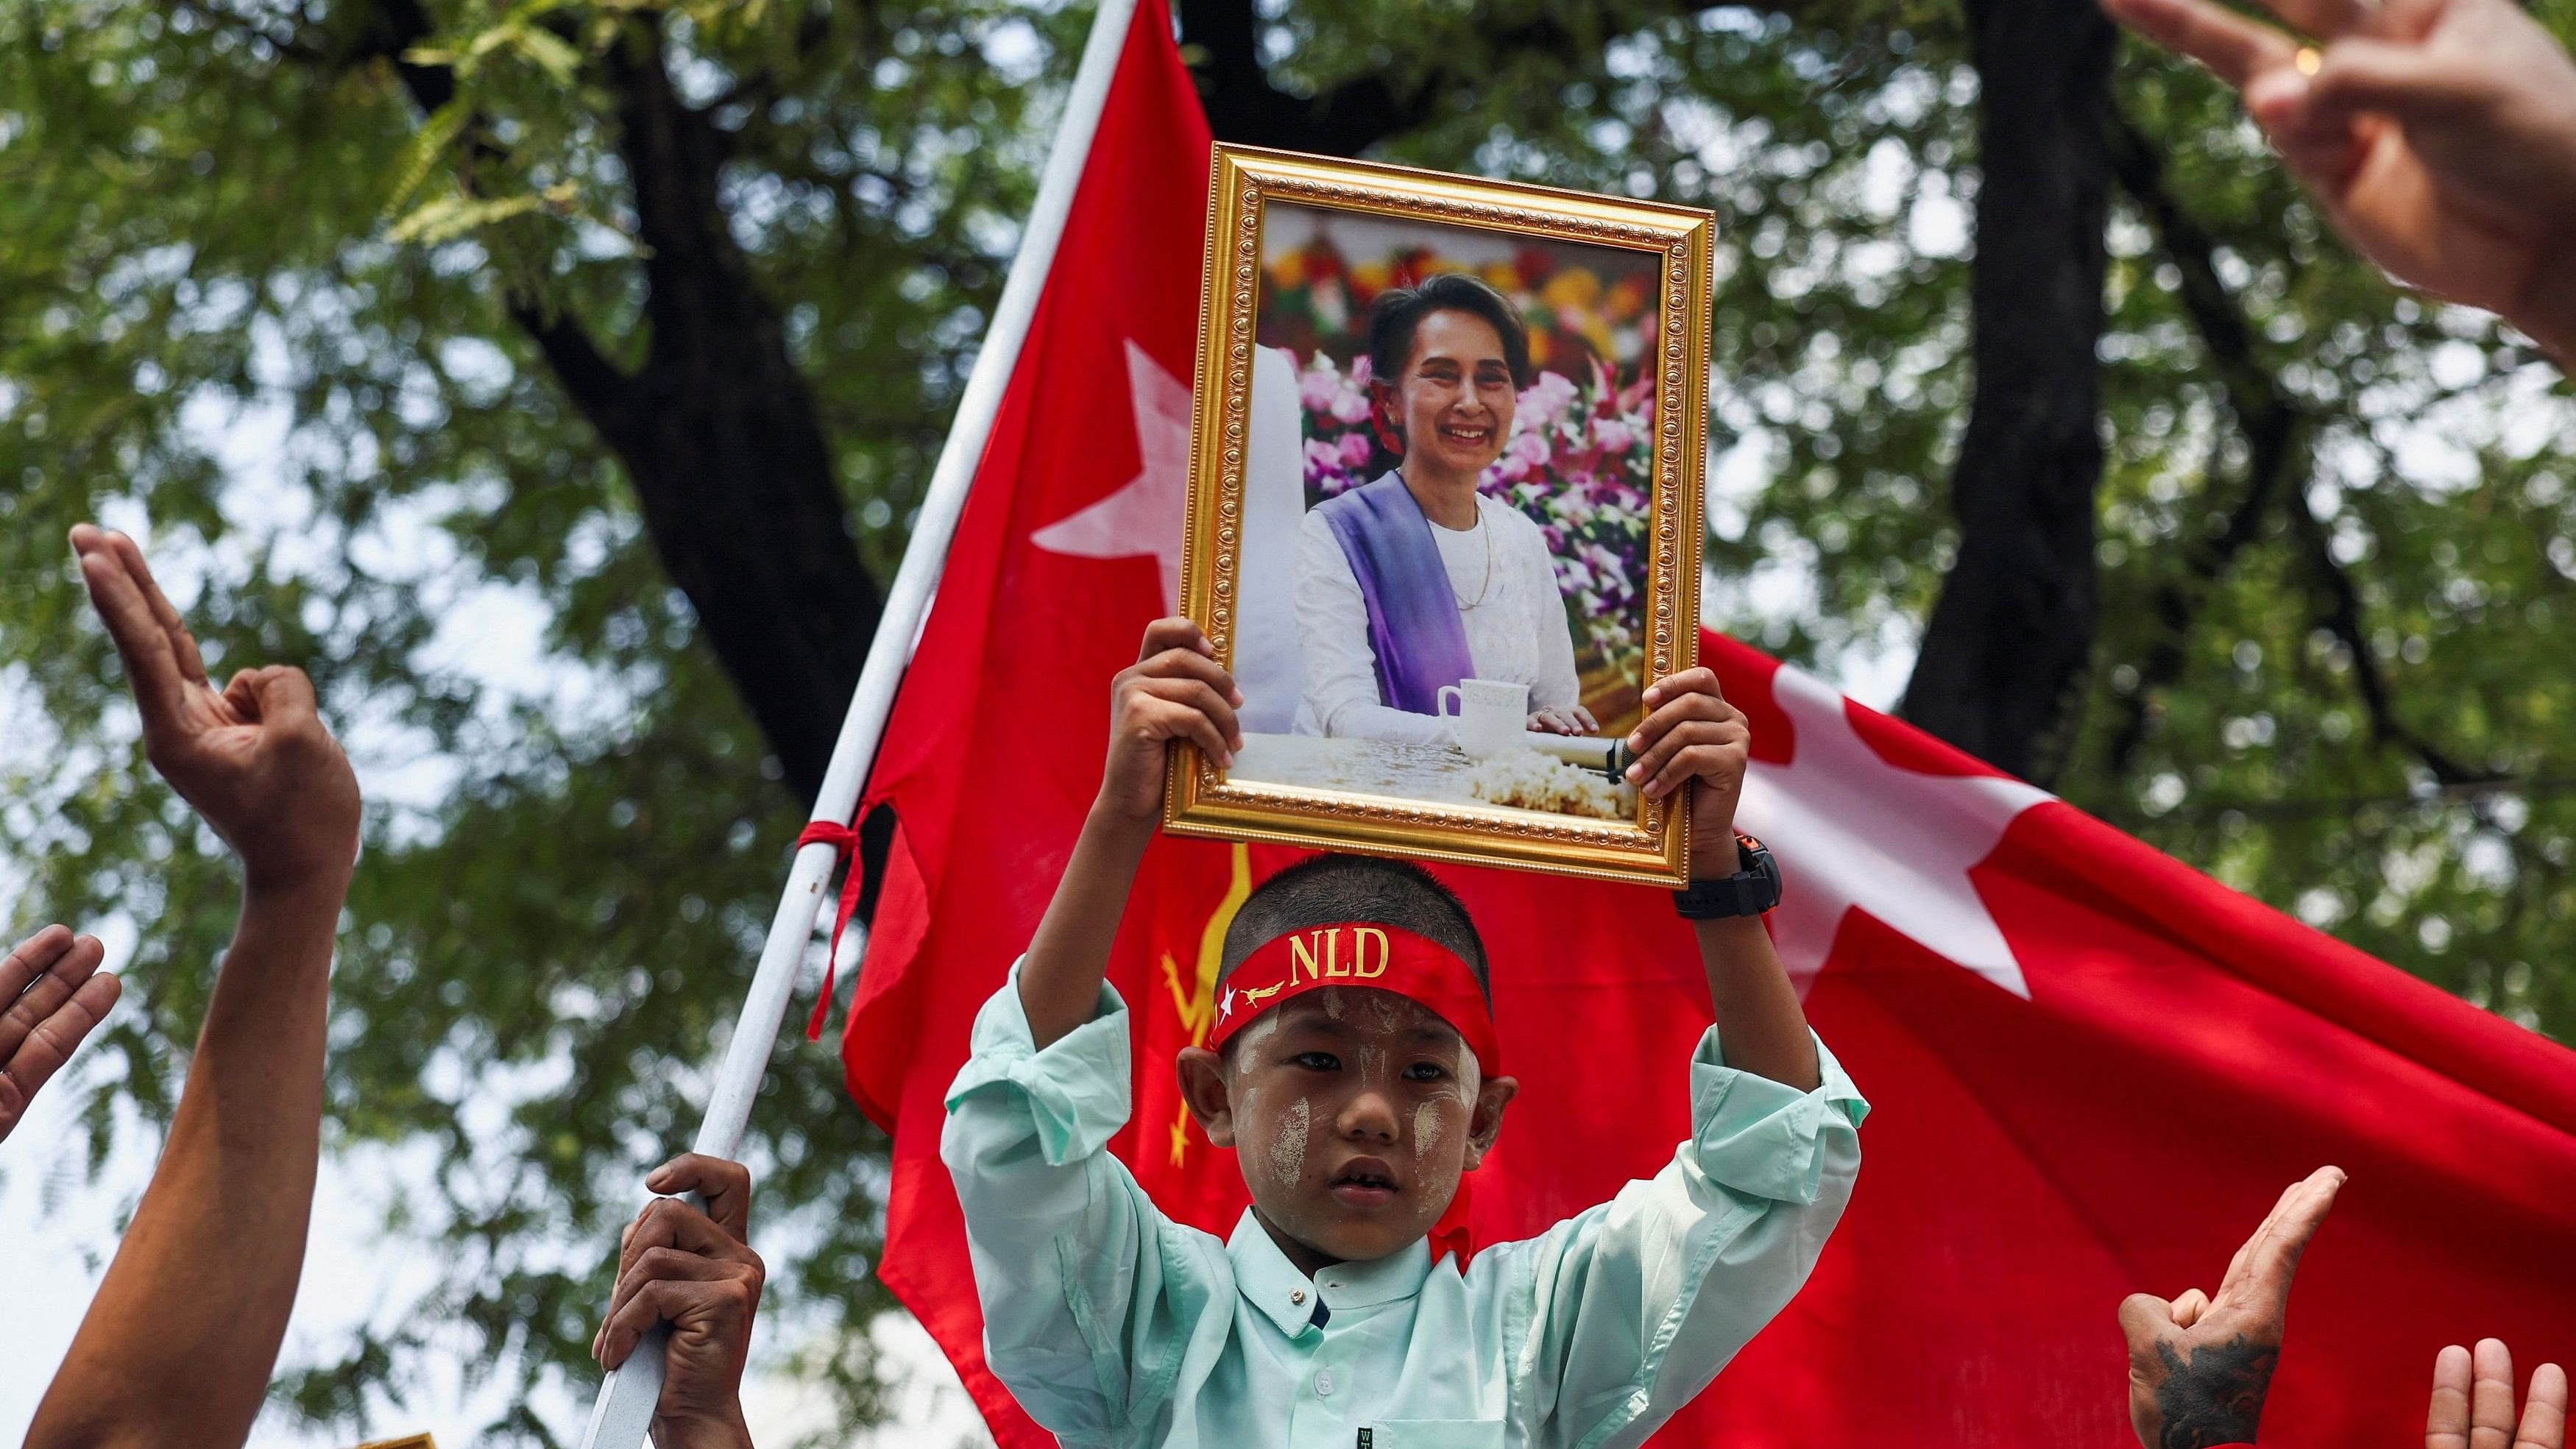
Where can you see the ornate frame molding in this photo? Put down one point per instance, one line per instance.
(1197, 800)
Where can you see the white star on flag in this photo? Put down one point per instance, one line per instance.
(1853, 830)
(1148, 516)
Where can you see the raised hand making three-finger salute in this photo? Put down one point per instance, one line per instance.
(178, 1343)
(2200, 1365)
(252, 757)
(2439, 136)
(2473, 1408)
(695, 1271)
(51, 995)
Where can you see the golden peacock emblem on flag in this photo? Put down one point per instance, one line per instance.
(1196, 1001)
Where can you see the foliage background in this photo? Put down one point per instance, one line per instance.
(307, 332)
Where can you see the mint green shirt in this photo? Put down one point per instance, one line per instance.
(1114, 1325)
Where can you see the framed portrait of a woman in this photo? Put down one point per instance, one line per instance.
(1444, 510)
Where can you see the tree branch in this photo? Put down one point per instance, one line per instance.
(2341, 615)
(390, 33)
(1223, 40)
(2477, 796)
(594, 384)
(1243, 105)
(2270, 420)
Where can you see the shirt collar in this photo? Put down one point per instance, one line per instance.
(1272, 1284)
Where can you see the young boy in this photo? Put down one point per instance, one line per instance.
(1353, 1107)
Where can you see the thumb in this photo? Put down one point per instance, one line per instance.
(2144, 1320)
(282, 695)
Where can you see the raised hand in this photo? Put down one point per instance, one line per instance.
(51, 995)
(1692, 733)
(2200, 1366)
(252, 758)
(2473, 1402)
(695, 1271)
(179, 1340)
(1174, 691)
(2439, 135)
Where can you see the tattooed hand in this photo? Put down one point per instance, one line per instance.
(2200, 1365)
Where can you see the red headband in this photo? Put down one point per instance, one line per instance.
(1360, 953)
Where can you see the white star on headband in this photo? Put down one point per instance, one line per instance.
(1225, 1004)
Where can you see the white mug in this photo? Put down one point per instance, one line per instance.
(1491, 713)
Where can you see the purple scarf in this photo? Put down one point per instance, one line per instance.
(1414, 627)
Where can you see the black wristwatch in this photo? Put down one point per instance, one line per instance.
(1749, 892)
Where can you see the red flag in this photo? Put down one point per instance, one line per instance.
(2092, 1068)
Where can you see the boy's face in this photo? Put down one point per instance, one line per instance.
(1352, 1112)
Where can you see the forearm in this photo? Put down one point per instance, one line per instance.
(1366, 719)
(178, 1344)
(1069, 956)
(1759, 1021)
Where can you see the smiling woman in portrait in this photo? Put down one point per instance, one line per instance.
(1417, 581)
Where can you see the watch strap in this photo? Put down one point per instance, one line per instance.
(1750, 891)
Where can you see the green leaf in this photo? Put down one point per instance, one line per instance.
(446, 218)
(427, 151)
(550, 52)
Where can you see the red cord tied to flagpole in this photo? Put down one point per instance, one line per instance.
(845, 840)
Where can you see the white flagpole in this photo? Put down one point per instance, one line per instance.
(623, 1412)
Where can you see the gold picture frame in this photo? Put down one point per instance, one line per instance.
(1668, 249)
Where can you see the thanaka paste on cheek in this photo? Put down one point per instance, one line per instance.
(1288, 1146)
(1426, 1126)
(1462, 1089)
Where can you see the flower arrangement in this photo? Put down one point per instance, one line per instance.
(1316, 299)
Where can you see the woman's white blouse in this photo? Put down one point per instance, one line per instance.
(1517, 633)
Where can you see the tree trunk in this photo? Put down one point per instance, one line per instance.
(717, 430)
(2002, 668)
(725, 445)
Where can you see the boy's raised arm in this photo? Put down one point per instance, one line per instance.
(1174, 691)
(177, 1346)
(1634, 1306)
(1692, 733)
(1064, 1242)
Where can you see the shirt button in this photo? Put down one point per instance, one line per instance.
(1324, 1384)
(1297, 1295)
